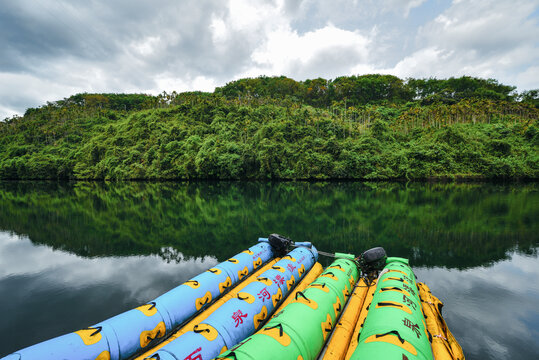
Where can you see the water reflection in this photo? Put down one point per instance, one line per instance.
(452, 225)
(492, 311)
(74, 254)
(46, 292)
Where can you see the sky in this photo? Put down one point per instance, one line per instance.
(52, 49)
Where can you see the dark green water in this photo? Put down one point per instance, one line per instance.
(74, 254)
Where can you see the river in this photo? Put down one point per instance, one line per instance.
(72, 254)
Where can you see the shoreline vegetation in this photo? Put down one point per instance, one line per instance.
(370, 127)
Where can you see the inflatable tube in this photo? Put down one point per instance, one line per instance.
(189, 326)
(241, 316)
(128, 333)
(340, 337)
(444, 345)
(301, 328)
(394, 327)
(361, 319)
(303, 284)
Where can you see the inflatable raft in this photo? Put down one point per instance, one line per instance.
(274, 301)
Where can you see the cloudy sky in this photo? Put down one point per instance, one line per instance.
(51, 49)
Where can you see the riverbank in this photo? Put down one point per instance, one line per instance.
(195, 136)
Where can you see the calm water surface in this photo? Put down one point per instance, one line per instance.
(74, 254)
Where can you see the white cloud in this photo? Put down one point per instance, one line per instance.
(7, 112)
(287, 52)
(146, 46)
(168, 82)
(477, 38)
(481, 38)
(249, 15)
(528, 78)
(219, 30)
(486, 29)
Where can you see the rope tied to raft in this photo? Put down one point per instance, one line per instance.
(440, 336)
(369, 263)
(323, 253)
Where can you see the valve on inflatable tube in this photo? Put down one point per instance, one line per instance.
(279, 243)
(372, 260)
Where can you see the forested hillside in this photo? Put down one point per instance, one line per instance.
(357, 127)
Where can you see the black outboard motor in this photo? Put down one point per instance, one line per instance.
(279, 243)
(372, 261)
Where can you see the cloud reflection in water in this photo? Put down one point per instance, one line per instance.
(492, 311)
(39, 284)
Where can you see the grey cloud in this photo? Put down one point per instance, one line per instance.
(479, 38)
(293, 6)
(483, 26)
(34, 32)
(79, 291)
(387, 21)
(350, 15)
(89, 46)
(52, 48)
(344, 14)
(64, 42)
(100, 32)
(186, 44)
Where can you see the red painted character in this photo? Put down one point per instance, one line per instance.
(291, 267)
(238, 317)
(279, 280)
(264, 294)
(408, 302)
(198, 357)
(412, 326)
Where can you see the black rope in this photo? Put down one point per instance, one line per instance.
(394, 332)
(388, 304)
(391, 288)
(97, 330)
(242, 298)
(280, 326)
(196, 330)
(205, 302)
(302, 295)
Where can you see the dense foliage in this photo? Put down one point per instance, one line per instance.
(451, 225)
(357, 127)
